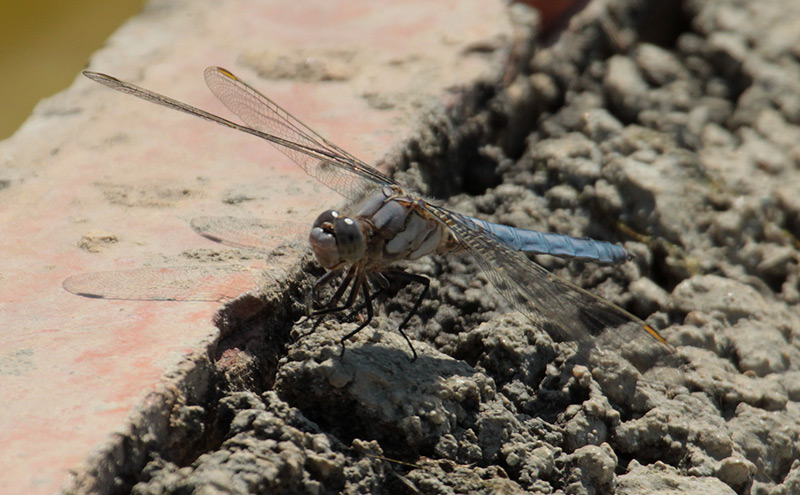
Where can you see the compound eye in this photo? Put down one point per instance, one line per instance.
(349, 239)
(324, 246)
(326, 217)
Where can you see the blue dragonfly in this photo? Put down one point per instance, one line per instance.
(392, 224)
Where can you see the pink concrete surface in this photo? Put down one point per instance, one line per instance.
(93, 160)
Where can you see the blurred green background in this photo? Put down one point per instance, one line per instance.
(45, 43)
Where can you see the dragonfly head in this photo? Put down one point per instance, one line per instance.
(336, 240)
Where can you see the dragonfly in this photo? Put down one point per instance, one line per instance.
(392, 224)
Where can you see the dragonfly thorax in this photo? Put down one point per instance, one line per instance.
(336, 240)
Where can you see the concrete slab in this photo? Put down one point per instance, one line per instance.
(96, 180)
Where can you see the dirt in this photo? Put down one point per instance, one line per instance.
(673, 134)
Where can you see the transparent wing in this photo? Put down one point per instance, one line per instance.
(322, 160)
(548, 300)
(186, 283)
(331, 165)
(196, 283)
(249, 233)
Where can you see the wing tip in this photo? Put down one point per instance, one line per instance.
(656, 335)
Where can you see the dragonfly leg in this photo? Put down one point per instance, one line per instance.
(426, 285)
(368, 304)
(331, 307)
(359, 284)
(323, 280)
(384, 283)
(351, 298)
